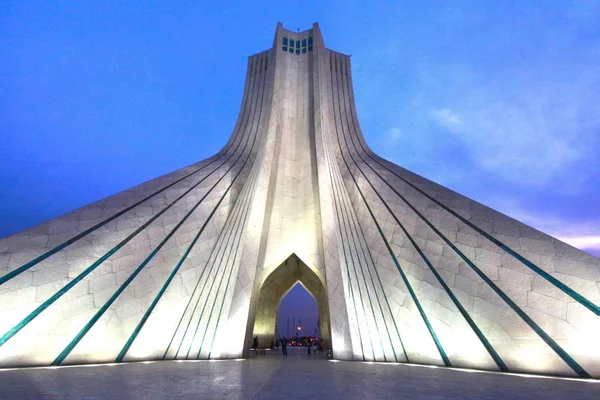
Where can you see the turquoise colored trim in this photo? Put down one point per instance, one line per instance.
(210, 289)
(82, 333)
(230, 238)
(212, 250)
(93, 266)
(237, 234)
(560, 285)
(438, 344)
(549, 341)
(350, 236)
(338, 219)
(61, 357)
(161, 292)
(357, 227)
(248, 207)
(74, 239)
(492, 352)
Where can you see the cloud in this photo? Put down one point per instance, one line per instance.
(529, 137)
(445, 118)
(582, 242)
(582, 235)
(392, 136)
(518, 107)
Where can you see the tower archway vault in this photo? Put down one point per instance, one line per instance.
(274, 288)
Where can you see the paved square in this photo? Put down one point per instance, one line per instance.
(272, 376)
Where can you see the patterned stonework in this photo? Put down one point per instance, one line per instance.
(192, 265)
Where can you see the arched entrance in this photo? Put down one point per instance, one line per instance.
(276, 286)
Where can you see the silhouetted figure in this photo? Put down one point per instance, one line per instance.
(277, 344)
(272, 345)
(255, 345)
(284, 343)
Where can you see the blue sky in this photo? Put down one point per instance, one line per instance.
(300, 308)
(499, 101)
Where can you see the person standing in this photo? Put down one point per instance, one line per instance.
(284, 343)
(255, 345)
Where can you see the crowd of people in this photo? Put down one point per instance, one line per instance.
(314, 345)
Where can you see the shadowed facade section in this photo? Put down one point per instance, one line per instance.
(192, 264)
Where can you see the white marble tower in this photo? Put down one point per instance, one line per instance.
(193, 264)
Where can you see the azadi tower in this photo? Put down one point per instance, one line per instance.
(193, 264)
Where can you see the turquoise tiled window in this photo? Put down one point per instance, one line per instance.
(297, 46)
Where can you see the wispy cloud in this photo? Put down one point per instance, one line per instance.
(446, 118)
(392, 137)
(582, 242)
(582, 235)
(531, 137)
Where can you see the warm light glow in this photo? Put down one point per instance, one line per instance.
(532, 356)
(229, 340)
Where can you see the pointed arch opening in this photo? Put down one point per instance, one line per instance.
(275, 287)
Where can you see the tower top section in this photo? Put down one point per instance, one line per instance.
(297, 42)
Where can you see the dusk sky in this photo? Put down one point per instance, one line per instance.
(499, 101)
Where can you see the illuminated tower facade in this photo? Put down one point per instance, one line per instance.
(193, 264)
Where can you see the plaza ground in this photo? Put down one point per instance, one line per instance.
(272, 376)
